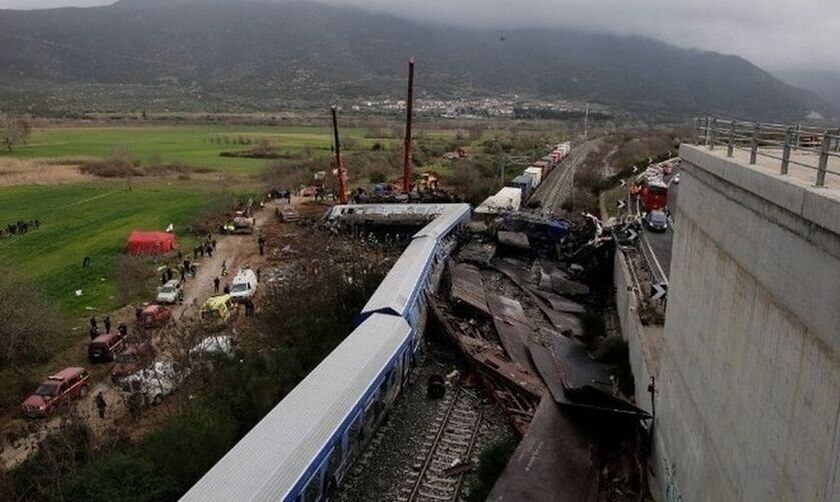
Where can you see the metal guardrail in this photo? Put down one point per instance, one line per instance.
(775, 141)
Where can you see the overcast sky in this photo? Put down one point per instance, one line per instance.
(771, 33)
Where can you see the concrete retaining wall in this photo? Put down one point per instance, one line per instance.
(748, 404)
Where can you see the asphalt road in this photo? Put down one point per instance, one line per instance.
(660, 242)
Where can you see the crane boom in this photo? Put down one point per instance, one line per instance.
(409, 106)
(340, 169)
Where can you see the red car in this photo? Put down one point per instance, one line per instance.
(105, 347)
(65, 385)
(134, 358)
(154, 316)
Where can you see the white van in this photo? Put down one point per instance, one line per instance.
(244, 285)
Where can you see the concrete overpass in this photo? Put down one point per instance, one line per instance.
(747, 378)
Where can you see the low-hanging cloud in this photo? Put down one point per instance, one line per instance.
(772, 33)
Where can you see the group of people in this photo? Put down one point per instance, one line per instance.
(94, 331)
(207, 247)
(19, 227)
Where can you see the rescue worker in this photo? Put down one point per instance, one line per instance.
(101, 405)
(86, 262)
(209, 250)
(216, 283)
(261, 244)
(224, 268)
(107, 323)
(93, 332)
(92, 321)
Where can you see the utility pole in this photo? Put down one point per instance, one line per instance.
(586, 122)
(340, 170)
(409, 106)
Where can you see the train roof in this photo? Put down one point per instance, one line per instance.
(430, 210)
(396, 290)
(448, 219)
(269, 461)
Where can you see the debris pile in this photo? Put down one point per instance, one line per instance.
(519, 293)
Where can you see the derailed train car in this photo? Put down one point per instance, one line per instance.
(302, 450)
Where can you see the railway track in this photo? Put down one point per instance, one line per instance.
(437, 477)
(557, 188)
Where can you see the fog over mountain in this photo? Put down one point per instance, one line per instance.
(775, 34)
(315, 51)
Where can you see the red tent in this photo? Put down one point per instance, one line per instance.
(145, 243)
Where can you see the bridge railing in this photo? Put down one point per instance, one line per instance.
(775, 141)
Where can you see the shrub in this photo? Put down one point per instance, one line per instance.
(190, 444)
(31, 322)
(132, 277)
(378, 177)
(120, 476)
(491, 463)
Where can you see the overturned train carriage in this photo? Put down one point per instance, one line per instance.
(302, 450)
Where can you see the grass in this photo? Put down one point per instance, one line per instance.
(611, 198)
(189, 144)
(87, 220)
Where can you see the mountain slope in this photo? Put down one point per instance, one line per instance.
(825, 84)
(312, 52)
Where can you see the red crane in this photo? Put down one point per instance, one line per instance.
(340, 169)
(409, 106)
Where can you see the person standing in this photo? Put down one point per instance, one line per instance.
(261, 244)
(101, 405)
(107, 323)
(216, 283)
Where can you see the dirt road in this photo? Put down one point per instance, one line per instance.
(236, 251)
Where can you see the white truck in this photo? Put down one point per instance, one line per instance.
(244, 285)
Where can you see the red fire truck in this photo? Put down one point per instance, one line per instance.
(652, 193)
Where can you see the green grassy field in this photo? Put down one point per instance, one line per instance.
(87, 220)
(189, 144)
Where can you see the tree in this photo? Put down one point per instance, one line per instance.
(15, 130)
(29, 323)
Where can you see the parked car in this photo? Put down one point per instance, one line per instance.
(216, 311)
(105, 347)
(213, 345)
(151, 385)
(206, 351)
(656, 221)
(171, 293)
(244, 285)
(67, 384)
(154, 316)
(135, 357)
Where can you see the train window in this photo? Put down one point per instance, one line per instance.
(313, 489)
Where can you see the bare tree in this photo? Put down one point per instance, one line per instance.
(29, 323)
(15, 130)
